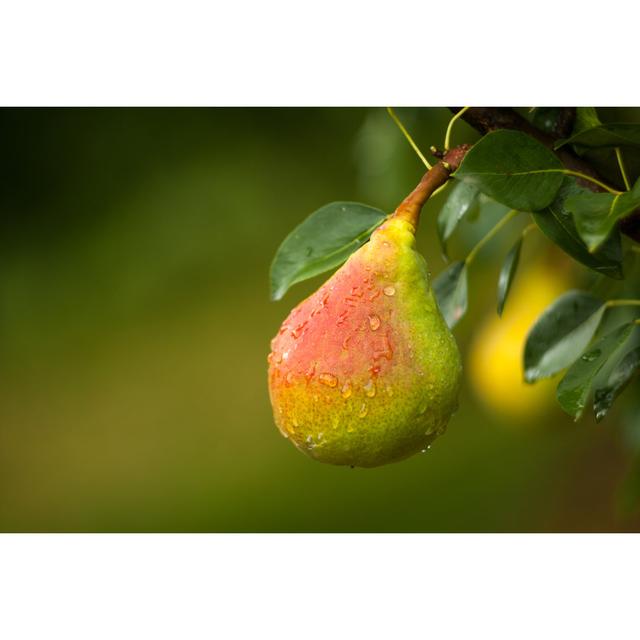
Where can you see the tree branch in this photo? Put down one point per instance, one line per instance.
(486, 119)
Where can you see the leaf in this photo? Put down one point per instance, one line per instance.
(618, 380)
(596, 214)
(586, 118)
(558, 225)
(574, 388)
(548, 119)
(460, 200)
(514, 169)
(323, 241)
(620, 134)
(561, 334)
(450, 288)
(507, 273)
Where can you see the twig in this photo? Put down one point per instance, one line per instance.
(409, 209)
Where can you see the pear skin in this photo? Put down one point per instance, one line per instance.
(365, 371)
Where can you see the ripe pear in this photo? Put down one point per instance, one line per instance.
(365, 371)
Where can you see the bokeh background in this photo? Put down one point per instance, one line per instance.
(135, 323)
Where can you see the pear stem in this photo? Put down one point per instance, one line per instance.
(410, 208)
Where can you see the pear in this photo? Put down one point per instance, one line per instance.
(365, 371)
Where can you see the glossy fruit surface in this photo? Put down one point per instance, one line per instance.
(365, 371)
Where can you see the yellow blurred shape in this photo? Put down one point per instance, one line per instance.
(495, 357)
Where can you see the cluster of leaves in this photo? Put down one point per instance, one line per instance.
(523, 175)
(516, 173)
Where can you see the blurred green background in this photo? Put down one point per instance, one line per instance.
(135, 324)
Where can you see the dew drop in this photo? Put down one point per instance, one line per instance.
(370, 388)
(363, 411)
(328, 379)
(389, 391)
(374, 322)
(345, 343)
(382, 348)
(346, 390)
(297, 332)
(289, 378)
(310, 372)
(389, 291)
(422, 409)
(592, 355)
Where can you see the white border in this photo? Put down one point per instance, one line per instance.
(314, 586)
(435, 53)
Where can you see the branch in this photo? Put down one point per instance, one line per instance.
(409, 209)
(486, 119)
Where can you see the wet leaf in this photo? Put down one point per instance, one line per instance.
(514, 169)
(618, 379)
(322, 242)
(596, 214)
(561, 334)
(460, 200)
(556, 222)
(507, 273)
(450, 288)
(574, 388)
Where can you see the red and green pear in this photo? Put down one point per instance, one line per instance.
(365, 371)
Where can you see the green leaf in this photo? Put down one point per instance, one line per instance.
(450, 288)
(596, 214)
(556, 222)
(618, 380)
(323, 241)
(460, 200)
(574, 388)
(507, 273)
(548, 119)
(586, 118)
(561, 334)
(605, 136)
(513, 169)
